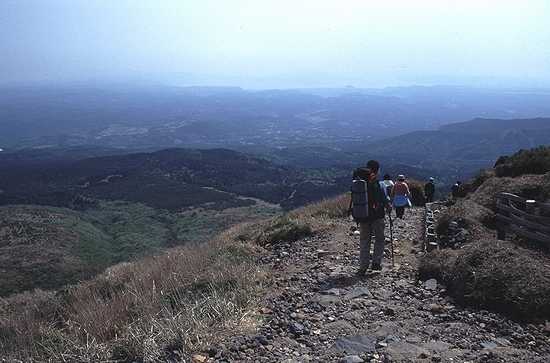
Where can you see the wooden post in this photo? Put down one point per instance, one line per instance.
(501, 226)
(530, 205)
(526, 221)
(501, 232)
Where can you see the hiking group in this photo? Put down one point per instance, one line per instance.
(371, 200)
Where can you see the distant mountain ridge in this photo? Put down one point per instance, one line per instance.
(147, 117)
(490, 126)
(465, 146)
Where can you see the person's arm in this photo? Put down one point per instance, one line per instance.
(407, 188)
(385, 191)
(387, 200)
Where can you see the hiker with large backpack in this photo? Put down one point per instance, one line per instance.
(368, 206)
(400, 195)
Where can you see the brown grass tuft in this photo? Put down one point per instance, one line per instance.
(495, 275)
(417, 192)
(184, 299)
(328, 208)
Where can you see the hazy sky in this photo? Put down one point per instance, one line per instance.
(278, 43)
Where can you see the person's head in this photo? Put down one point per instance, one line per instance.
(458, 182)
(401, 177)
(432, 180)
(374, 166)
(362, 173)
(387, 177)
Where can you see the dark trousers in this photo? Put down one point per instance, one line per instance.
(367, 230)
(429, 198)
(400, 211)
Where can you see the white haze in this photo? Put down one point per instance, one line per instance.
(279, 43)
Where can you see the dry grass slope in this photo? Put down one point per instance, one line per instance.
(157, 308)
(168, 304)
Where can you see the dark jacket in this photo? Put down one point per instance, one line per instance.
(455, 190)
(429, 188)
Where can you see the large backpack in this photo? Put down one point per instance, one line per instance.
(359, 197)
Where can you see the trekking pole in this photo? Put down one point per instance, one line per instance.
(391, 240)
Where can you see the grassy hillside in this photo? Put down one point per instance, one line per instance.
(157, 308)
(47, 247)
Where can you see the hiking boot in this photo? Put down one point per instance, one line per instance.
(361, 271)
(376, 267)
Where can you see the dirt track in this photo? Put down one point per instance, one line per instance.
(318, 310)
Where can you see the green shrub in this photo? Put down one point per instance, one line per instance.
(533, 161)
(284, 229)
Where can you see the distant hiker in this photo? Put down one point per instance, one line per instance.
(368, 205)
(400, 195)
(455, 190)
(429, 190)
(388, 184)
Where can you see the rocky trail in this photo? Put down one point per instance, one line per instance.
(319, 310)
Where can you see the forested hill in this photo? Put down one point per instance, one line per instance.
(170, 179)
(467, 146)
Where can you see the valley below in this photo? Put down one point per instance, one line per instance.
(274, 181)
(110, 205)
(211, 206)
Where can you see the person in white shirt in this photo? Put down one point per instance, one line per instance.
(388, 184)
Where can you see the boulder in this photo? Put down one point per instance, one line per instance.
(357, 344)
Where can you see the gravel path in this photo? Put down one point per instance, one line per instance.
(318, 310)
